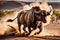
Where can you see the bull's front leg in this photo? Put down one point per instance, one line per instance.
(39, 25)
(40, 29)
(33, 32)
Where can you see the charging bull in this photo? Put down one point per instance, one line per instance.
(29, 18)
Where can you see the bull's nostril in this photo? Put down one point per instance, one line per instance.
(43, 20)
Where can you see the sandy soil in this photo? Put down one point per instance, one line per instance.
(52, 32)
(32, 38)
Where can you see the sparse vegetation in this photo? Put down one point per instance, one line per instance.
(57, 13)
(55, 16)
(5, 12)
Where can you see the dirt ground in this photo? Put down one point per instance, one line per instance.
(32, 38)
(52, 32)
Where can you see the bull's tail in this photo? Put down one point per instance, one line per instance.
(10, 20)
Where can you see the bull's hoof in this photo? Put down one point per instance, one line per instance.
(38, 32)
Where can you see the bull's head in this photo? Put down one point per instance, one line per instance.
(43, 16)
(40, 15)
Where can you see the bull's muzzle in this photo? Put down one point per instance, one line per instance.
(43, 20)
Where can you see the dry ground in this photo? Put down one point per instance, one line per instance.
(52, 33)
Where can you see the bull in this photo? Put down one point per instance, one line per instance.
(29, 18)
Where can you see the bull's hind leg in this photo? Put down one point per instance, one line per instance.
(24, 28)
(18, 31)
(19, 24)
(19, 27)
(29, 29)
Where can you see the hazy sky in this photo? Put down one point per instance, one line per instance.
(41, 0)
